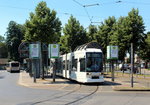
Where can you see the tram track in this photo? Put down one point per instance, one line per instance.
(56, 97)
(90, 94)
(77, 90)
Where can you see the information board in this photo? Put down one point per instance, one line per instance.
(53, 50)
(112, 52)
(34, 51)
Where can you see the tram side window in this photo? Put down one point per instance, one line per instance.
(63, 65)
(70, 65)
(74, 65)
(59, 64)
(82, 64)
(67, 64)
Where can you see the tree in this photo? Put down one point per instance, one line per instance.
(43, 25)
(135, 28)
(1, 38)
(128, 30)
(64, 44)
(3, 48)
(104, 33)
(14, 36)
(92, 31)
(144, 52)
(74, 33)
(120, 37)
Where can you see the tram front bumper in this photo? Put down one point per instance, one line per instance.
(94, 79)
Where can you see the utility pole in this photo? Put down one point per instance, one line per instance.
(132, 63)
(41, 59)
(112, 70)
(54, 53)
(54, 70)
(34, 69)
(34, 51)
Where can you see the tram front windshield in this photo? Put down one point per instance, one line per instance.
(94, 62)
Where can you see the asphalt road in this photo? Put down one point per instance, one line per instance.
(74, 94)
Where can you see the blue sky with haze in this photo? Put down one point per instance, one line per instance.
(18, 10)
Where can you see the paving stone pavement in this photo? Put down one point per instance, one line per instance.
(120, 83)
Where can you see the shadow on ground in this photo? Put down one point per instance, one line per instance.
(1, 77)
(108, 83)
(61, 80)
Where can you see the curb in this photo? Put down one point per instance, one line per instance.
(26, 81)
(131, 89)
(20, 81)
(126, 87)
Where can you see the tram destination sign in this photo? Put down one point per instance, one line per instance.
(112, 52)
(53, 50)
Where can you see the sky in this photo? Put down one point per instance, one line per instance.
(85, 11)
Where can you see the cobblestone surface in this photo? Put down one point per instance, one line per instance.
(122, 82)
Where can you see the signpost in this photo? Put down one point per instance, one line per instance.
(34, 53)
(132, 64)
(53, 50)
(112, 54)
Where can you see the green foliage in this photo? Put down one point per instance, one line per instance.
(92, 33)
(144, 52)
(135, 28)
(15, 33)
(105, 32)
(120, 38)
(2, 39)
(64, 44)
(122, 33)
(3, 48)
(43, 25)
(74, 35)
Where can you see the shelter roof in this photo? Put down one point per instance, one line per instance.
(88, 45)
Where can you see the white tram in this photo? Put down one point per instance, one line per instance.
(83, 65)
